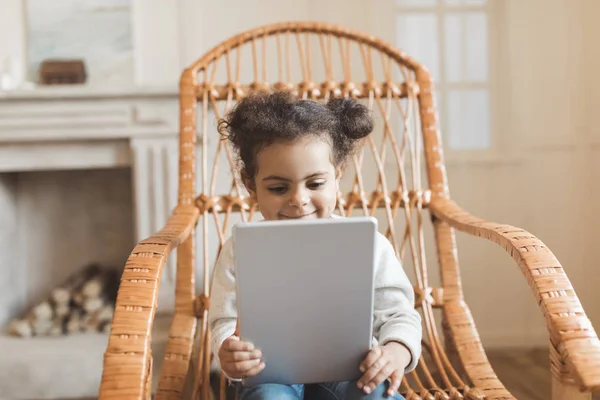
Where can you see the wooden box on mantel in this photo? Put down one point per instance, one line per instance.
(60, 72)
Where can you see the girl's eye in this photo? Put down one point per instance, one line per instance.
(277, 189)
(316, 185)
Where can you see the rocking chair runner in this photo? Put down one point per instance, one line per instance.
(384, 179)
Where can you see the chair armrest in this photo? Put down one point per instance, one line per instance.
(127, 359)
(576, 348)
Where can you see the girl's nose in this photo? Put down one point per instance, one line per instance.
(299, 198)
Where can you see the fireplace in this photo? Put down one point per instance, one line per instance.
(63, 221)
(84, 175)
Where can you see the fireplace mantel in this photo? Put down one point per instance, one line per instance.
(79, 92)
(86, 113)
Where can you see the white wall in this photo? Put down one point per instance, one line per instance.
(547, 82)
(177, 33)
(12, 35)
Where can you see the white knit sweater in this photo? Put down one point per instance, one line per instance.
(395, 318)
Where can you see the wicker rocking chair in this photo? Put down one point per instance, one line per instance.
(384, 179)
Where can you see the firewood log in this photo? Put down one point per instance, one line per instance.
(95, 321)
(84, 302)
(40, 319)
(58, 327)
(74, 321)
(20, 327)
(62, 310)
(92, 305)
(41, 327)
(105, 326)
(64, 292)
(104, 285)
(42, 312)
(61, 296)
(106, 313)
(100, 296)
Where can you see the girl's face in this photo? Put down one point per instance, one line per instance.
(296, 180)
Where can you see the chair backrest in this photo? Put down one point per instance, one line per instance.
(394, 175)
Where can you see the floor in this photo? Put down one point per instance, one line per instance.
(524, 372)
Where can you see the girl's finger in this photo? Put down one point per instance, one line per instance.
(373, 356)
(256, 370)
(233, 343)
(372, 372)
(378, 379)
(395, 381)
(245, 355)
(243, 366)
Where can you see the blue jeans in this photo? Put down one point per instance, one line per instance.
(320, 391)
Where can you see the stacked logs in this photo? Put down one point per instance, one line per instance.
(84, 303)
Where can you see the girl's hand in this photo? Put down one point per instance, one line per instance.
(240, 359)
(381, 363)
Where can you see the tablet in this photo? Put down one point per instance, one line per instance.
(305, 296)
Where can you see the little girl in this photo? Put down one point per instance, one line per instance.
(291, 155)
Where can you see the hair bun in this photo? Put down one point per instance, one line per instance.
(354, 118)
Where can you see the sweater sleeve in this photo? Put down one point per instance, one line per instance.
(395, 317)
(222, 314)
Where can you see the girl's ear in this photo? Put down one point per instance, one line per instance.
(250, 187)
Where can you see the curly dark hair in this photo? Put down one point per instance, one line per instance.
(263, 118)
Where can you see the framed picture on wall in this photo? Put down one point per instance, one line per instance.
(97, 32)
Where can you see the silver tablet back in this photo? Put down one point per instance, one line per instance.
(305, 296)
